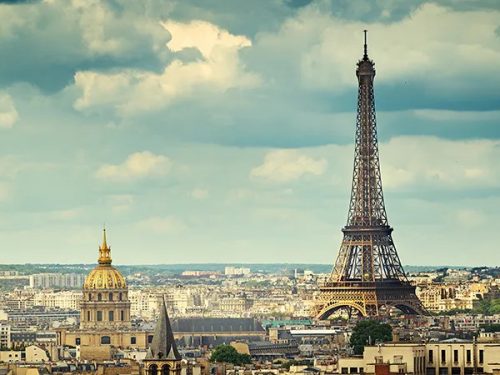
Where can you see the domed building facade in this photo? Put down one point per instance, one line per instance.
(105, 321)
(105, 302)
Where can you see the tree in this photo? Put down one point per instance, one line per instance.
(226, 353)
(369, 331)
(493, 327)
(488, 307)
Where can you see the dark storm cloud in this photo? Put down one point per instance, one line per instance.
(298, 3)
(45, 44)
(387, 10)
(241, 17)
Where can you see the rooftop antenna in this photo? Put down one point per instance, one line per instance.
(365, 56)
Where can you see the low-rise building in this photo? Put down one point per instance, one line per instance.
(449, 357)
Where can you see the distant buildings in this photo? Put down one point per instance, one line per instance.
(441, 297)
(60, 300)
(4, 335)
(236, 271)
(56, 280)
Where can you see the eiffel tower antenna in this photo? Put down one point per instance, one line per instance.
(367, 275)
(365, 56)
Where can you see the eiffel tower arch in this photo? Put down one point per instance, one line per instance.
(367, 276)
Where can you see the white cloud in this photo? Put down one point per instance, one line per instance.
(162, 225)
(137, 165)
(438, 162)
(121, 203)
(131, 91)
(288, 165)
(64, 215)
(470, 217)
(8, 112)
(4, 192)
(199, 194)
(416, 47)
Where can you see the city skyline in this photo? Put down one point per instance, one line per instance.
(199, 135)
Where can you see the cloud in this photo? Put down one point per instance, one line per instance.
(470, 217)
(199, 194)
(4, 192)
(121, 203)
(137, 165)
(320, 49)
(437, 163)
(131, 91)
(65, 215)
(456, 116)
(45, 42)
(8, 112)
(162, 225)
(287, 165)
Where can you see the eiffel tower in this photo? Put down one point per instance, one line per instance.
(368, 276)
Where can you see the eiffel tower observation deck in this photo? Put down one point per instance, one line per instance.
(367, 276)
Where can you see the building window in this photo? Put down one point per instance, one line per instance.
(153, 370)
(90, 296)
(468, 356)
(88, 316)
(122, 315)
(165, 370)
(481, 356)
(121, 296)
(111, 316)
(150, 339)
(344, 370)
(99, 316)
(431, 356)
(455, 356)
(105, 340)
(99, 297)
(110, 297)
(133, 340)
(443, 356)
(77, 341)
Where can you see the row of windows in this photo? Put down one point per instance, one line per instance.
(110, 296)
(107, 340)
(154, 370)
(111, 316)
(468, 356)
(455, 371)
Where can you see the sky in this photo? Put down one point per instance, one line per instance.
(222, 130)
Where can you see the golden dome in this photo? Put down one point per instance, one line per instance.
(104, 276)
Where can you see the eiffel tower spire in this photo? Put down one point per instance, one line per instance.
(367, 274)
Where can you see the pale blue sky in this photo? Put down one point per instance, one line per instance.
(222, 130)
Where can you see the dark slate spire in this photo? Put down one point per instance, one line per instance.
(163, 345)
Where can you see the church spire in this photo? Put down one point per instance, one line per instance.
(163, 346)
(104, 250)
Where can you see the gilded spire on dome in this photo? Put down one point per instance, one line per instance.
(104, 250)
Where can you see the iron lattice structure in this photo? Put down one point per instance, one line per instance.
(367, 275)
